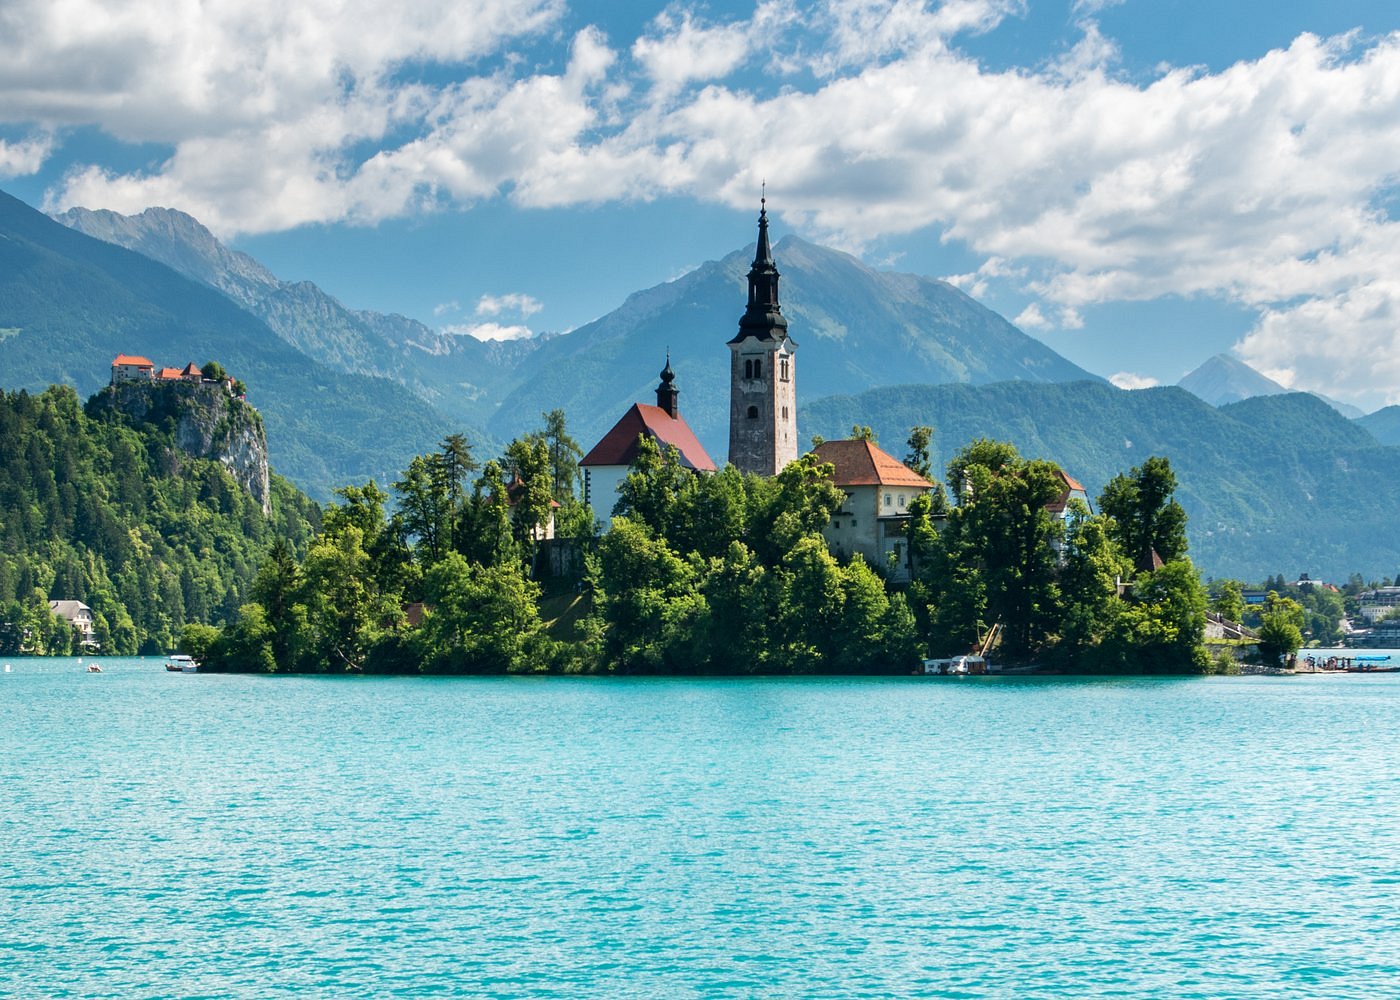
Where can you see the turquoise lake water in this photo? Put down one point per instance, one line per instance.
(167, 835)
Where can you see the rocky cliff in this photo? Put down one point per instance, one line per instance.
(203, 420)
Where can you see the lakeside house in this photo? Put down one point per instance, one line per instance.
(1376, 604)
(874, 519)
(78, 615)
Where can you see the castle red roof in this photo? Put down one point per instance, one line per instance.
(169, 373)
(1071, 486)
(862, 463)
(132, 359)
(191, 369)
(619, 445)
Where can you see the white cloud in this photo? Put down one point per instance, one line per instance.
(1132, 380)
(25, 157)
(489, 331)
(1093, 6)
(1031, 318)
(683, 51)
(515, 303)
(1263, 184)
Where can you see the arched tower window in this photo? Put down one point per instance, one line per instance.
(753, 412)
(758, 369)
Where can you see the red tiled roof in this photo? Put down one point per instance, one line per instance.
(1070, 487)
(169, 373)
(619, 445)
(132, 359)
(191, 369)
(862, 463)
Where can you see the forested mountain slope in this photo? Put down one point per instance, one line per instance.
(112, 512)
(70, 303)
(1272, 484)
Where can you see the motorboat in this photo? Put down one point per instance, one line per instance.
(179, 663)
(957, 666)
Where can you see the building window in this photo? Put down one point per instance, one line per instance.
(784, 412)
(887, 500)
(748, 368)
(758, 369)
(901, 499)
(783, 368)
(753, 412)
(836, 525)
(853, 522)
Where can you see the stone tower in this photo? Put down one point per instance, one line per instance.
(762, 375)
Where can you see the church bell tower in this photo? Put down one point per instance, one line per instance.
(762, 373)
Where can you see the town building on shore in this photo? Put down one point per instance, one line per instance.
(874, 520)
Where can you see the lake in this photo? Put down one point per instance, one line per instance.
(169, 835)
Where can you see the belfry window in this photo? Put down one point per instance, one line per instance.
(758, 369)
(753, 412)
(783, 369)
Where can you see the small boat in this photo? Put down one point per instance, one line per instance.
(957, 666)
(179, 663)
(93, 668)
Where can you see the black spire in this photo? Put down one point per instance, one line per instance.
(763, 319)
(666, 392)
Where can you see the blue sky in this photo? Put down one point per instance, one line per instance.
(1139, 183)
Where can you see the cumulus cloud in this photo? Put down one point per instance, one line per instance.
(489, 331)
(1264, 184)
(682, 50)
(1132, 380)
(19, 159)
(1031, 318)
(515, 303)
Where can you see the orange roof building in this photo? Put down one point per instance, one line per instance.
(126, 367)
(1070, 490)
(873, 521)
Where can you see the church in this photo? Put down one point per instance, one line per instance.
(762, 424)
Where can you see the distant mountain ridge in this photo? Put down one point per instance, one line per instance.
(1222, 380)
(452, 373)
(1279, 483)
(70, 303)
(858, 328)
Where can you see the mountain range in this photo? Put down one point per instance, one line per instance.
(348, 394)
(860, 328)
(1273, 484)
(1222, 379)
(70, 303)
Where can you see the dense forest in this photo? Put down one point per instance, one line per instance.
(722, 573)
(451, 569)
(96, 510)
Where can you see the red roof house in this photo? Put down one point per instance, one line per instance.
(607, 462)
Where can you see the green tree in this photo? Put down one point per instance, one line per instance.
(425, 505)
(481, 619)
(531, 491)
(919, 458)
(1146, 518)
(1228, 600)
(1280, 628)
(564, 456)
